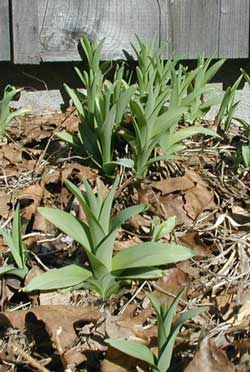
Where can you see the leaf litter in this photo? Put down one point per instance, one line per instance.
(66, 331)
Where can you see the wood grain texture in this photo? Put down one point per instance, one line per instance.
(192, 27)
(25, 31)
(4, 31)
(210, 27)
(234, 28)
(64, 22)
(50, 30)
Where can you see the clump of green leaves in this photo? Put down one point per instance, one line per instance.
(6, 116)
(17, 248)
(105, 272)
(163, 95)
(162, 100)
(228, 106)
(194, 83)
(167, 333)
(155, 126)
(100, 108)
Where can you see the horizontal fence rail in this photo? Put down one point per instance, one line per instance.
(32, 31)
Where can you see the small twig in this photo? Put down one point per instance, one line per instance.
(132, 298)
(31, 361)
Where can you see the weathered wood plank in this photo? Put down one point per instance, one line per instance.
(192, 27)
(4, 31)
(66, 21)
(234, 29)
(26, 46)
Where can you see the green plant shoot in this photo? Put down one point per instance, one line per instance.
(17, 248)
(167, 333)
(105, 272)
(6, 116)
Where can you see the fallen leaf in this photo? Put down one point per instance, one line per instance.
(172, 281)
(192, 240)
(5, 204)
(78, 170)
(33, 194)
(73, 358)
(13, 153)
(197, 199)
(51, 318)
(174, 206)
(170, 185)
(184, 197)
(210, 358)
(55, 298)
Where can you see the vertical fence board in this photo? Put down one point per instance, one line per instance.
(193, 27)
(26, 45)
(66, 21)
(234, 29)
(4, 31)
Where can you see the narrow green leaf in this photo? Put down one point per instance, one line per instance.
(134, 349)
(69, 224)
(245, 150)
(189, 314)
(104, 251)
(164, 359)
(6, 269)
(212, 71)
(190, 131)
(95, 230)
(90, 199)
(105, 212)
(125, 215)
(17, 249)
(65, 277)
(77, 99)
(144, 273)
(150, 254)
(127, 163)
(167, 321)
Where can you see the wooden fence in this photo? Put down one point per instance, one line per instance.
(32, 31)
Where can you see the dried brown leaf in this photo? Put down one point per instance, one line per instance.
(5, 204)
(170, 185)
(33, 193)
(78, 170)
(172, 281)
(13, 153)
(53, 318)
(192, 240)
(210, 359)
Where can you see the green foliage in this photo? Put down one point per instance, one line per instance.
(155, 125)
(160, 229)
(17, 248)
(245, 146)
(245, 143)
(177, 79)
(196, 81)
(165, 95)
(6, 116)
(100, 108)
(105, 273)
(167, 333)
(228, 106)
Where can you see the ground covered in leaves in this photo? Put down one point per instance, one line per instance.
(207, 191)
